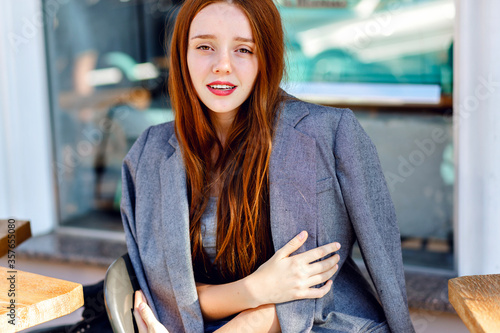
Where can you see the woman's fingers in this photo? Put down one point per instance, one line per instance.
(144, 316)
(322, 277)
(284, 277)
(323, 265)
(138, 300)
(318, 253)
(319, 292)
(147, 315)
(292, 245)
(141, 325)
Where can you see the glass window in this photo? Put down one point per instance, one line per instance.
(388, 60)
(370, 41)
(416, 153)
(108, 73)
(391, 62)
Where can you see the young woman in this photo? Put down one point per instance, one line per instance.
(234, 213)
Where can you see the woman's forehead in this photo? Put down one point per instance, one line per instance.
(221, 20)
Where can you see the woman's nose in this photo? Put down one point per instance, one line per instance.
(223, 63)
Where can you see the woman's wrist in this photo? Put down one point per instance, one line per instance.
(220, 301)
(251, 287)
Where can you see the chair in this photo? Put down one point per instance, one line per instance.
(120, 284)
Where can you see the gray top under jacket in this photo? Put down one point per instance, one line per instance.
(209, 228)
(325, 177)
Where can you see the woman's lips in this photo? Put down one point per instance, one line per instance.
(221, 88)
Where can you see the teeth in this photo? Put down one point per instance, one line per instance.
(221, 86)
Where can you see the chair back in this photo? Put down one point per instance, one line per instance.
(120, 284)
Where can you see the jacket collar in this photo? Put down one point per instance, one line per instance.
(293, 209)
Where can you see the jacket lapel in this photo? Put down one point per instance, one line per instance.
(293, 205)
(177, 248)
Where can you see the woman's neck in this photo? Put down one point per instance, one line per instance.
(222, 122)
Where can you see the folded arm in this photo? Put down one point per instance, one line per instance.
(284, 277)
(223, 300)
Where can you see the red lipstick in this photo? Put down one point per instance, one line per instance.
(221, 88)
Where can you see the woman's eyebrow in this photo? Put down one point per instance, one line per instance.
(243, 39)
(204, 37)
(238, 39)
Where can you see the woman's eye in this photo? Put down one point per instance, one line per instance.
(245, 51)
(203, 47)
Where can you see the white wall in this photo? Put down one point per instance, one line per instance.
(477, 137)
(26, 179)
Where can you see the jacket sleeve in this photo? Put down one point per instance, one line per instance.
(127, 208)
(373, 217)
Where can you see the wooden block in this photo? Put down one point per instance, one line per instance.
(21, 230)
(477, 301)
(37, 299)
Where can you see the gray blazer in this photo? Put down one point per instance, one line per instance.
(325, 177)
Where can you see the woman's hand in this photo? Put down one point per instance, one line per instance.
(146, 321)
(285, 278)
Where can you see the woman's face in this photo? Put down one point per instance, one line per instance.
(221, 60)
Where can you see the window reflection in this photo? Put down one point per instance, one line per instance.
(107, 75)
(416, 153)
(370, 41)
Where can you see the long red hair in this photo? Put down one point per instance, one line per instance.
(243, 214)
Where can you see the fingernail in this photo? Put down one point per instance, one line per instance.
(142, 306)
(337, 245)
(302, 235)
